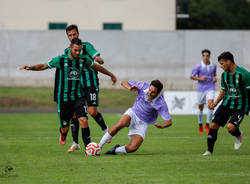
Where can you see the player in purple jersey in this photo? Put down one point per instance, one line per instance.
(205, 74)
(148, 104)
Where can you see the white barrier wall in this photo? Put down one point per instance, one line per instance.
(183, 102)
(131, 55)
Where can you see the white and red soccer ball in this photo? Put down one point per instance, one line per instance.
(93, 149)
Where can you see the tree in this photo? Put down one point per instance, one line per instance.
(217, 14)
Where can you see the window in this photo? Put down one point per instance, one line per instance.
(112, 26)
(57, 25)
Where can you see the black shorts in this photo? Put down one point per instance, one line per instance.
(66, 111)
(223, 114)
(91, 95)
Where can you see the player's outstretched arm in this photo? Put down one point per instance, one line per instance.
(164, 125)
(37, 67)
(126, 85)
(105, 71)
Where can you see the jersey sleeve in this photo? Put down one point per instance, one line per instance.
(88, 62)
(195, 71)
(92, 51)
(54, 63)
(66, 51)
(247, 80)
(163, 111)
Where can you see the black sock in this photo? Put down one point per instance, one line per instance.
(99, 119)
(75, 129)
(211, 138)
(236, 133)
(86, 136)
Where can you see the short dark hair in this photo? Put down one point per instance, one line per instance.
(206, 50)
(157, 84)
(76, 41)
(226, 56)
(72, 27)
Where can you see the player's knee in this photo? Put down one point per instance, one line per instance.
(200, 106)
(83, 122)
(230, 127)
(93, 112)
(214, 126)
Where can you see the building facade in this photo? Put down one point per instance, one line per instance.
(151, 15)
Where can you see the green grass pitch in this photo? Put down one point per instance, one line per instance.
(30, 153)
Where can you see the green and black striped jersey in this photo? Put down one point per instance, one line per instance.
(69, 80)
(89, 74)
(236, 85)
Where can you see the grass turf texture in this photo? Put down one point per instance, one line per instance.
(42, 98)
(30, 153)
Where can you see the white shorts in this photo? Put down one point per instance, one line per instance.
(136, 126)
(203, 97)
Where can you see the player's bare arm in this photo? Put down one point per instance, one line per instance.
(99, 60)
(105, 71)
(219, 98)
(215, 78)
(37, 67)
(203, 78)
(164, 125)
(128, 86)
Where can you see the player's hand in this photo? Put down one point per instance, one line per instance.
(203, 78)
(134, 88)
(158, 125)
(212, 105)
(24, 67)
(114, 79)
(215, 79)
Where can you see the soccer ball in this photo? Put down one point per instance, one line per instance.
(93, 149)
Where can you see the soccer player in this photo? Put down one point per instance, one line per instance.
(205, 74)
(235, 89)
(91, 86)
(148, 104)
(70, 96)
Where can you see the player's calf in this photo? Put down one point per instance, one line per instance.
(131, 148)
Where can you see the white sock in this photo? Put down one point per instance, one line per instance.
(104, 139)
(121, 149)
(209, 115)
(200, 114)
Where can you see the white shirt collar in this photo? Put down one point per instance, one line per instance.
(204, 65)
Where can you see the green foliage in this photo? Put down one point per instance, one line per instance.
(183, 6)
(30, 153)
(217, 14)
